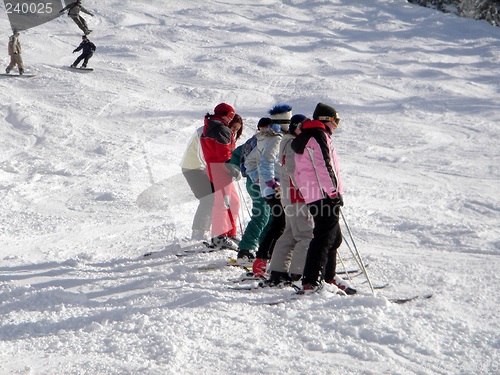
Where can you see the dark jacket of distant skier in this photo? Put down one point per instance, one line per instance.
(87, 47)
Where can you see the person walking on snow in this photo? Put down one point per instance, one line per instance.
(74, 10)
(217, 143)
(15, 54)
(87, 48)
(317, 176)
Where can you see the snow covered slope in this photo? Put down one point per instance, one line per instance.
(90, 181)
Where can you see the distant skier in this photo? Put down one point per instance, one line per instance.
(74, 10)
(15, 53)
(87, 48)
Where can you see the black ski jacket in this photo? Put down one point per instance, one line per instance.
(88, 48)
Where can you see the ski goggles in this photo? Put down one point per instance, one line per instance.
(335, 120)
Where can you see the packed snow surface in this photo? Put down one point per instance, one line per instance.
(90, 181)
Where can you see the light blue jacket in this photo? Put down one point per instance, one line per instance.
(268, 145)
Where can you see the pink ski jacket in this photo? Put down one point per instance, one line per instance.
(317, 172)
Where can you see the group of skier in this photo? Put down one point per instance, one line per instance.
(86, 46)
(293, 178)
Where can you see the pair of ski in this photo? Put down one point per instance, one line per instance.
(206, 247)
(399, 301)
(257, 283)
(232, 262)
(249, 277)
(181, 249)
(299, 294)
(203, 248)
(185, 249)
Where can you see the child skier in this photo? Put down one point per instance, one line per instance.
(317, 175)
(289, 254)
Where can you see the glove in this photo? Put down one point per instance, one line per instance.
(227, 201)
(233, 170)
(338, 200)
(273, 184)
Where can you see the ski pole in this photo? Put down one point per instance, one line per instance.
(242, 219)
(243, 199)
(342, 261)
(356, 253)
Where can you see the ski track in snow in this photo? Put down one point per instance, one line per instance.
(90, 181)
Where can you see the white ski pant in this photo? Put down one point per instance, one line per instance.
(290, 251)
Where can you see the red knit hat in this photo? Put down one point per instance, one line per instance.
(223, 109)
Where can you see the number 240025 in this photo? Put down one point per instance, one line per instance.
(28, 8)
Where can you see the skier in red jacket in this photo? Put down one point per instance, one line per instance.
(217, 143)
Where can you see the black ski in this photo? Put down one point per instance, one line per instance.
(203, 248)
(300, 295)
(183, 249)
(244, 287)
(350, 271)
(231, 263)
(401, 301)
(247, 277)
(190, 252)
(258, 283)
